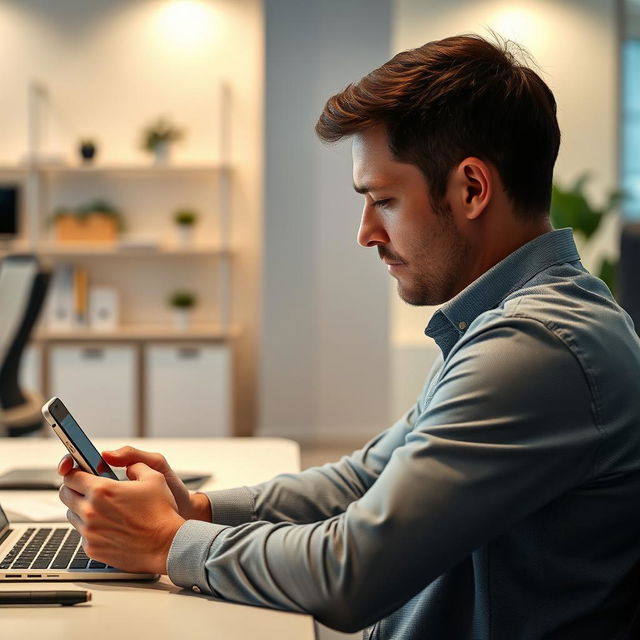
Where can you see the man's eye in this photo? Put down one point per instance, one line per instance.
(381, 204)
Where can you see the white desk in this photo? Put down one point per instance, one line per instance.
(157, 610)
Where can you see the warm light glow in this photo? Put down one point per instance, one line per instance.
(518, 24)
(186, 23)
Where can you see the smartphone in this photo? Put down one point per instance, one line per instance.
(75, 440)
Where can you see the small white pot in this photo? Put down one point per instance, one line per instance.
(181, 319)
(185, 235)
(162, 153)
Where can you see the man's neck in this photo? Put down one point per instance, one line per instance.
(497, 244)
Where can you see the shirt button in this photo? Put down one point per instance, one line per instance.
(196, 588)
(462, 325)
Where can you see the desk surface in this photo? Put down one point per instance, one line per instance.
(157, 610)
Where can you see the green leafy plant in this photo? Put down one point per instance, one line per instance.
(183, 300)
(186, 217)
(572, 208)
(159, 131)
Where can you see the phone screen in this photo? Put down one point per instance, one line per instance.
(80, 441)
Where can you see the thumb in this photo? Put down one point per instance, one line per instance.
(141, 472)
(126, 456)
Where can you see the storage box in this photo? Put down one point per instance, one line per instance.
(94, 228)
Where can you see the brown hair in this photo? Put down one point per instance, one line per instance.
(451, 99)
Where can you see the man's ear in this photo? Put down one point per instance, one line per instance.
(472, 184)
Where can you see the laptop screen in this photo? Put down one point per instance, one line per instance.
(4, 521)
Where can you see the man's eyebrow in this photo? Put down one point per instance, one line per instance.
(365, 188)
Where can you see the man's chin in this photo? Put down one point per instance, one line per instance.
(414, 298)
(421, 297)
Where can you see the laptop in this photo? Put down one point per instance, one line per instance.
(32, 551)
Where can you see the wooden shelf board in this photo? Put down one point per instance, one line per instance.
(109, 251)
(133, 169)
(51, 250)
(13, 170)
(140, 333)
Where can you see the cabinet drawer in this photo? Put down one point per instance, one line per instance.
(187, 390)
(98, 385)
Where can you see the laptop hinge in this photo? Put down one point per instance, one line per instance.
(5, 535)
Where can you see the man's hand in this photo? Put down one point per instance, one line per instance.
(129, 525)
(194, 506)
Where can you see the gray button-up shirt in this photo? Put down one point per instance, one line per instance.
(505, 505)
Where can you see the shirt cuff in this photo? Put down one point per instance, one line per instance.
(232, 506)
(191, 546)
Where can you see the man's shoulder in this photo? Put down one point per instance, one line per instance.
(563, 299)
(576, 312)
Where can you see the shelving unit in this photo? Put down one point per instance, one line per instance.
(143, 275)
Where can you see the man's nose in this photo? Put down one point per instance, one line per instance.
(371, 232)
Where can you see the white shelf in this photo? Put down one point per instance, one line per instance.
(141, 333)
(57, 251)
(13, 170)
(137, 170)
(143, 266)
(99, 251)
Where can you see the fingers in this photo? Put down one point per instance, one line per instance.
(141, 472)
(74, 520)
(83, 482)
(70, 498)
(65, 465)
(127, 456)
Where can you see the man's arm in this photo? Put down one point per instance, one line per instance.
(319, 492)
(316, 493)
(498, 441)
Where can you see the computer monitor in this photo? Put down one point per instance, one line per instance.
(9, 210)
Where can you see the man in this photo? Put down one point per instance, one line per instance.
(506, 503)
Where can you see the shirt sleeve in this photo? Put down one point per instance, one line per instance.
(317, 493)
(314, 494)
(509, 427)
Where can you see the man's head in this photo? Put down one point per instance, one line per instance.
(463, 121)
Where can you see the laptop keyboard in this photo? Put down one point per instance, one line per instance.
(48, 548)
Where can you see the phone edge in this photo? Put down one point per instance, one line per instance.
(57, 429)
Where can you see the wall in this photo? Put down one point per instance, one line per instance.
(325, 356)
(574, 42)
(111, 66)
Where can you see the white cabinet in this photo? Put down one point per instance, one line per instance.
(98, 385)
(187, 390)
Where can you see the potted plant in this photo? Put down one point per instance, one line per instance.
(158, 137)
(87, 148)
(96, 222)
(182, 303)
(571, 208)
(185, 220)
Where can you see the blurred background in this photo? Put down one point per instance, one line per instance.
(159, 158)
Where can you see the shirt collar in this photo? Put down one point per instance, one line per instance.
(493, 286)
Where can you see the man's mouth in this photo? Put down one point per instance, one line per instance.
(389, 259)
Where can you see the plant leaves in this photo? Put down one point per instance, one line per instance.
(608, 274)
(570, 208)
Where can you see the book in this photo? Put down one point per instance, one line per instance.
(60, 301)
(103, 308)
(80, 296)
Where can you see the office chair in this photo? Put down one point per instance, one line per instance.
(22, 292)
(628, 288)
